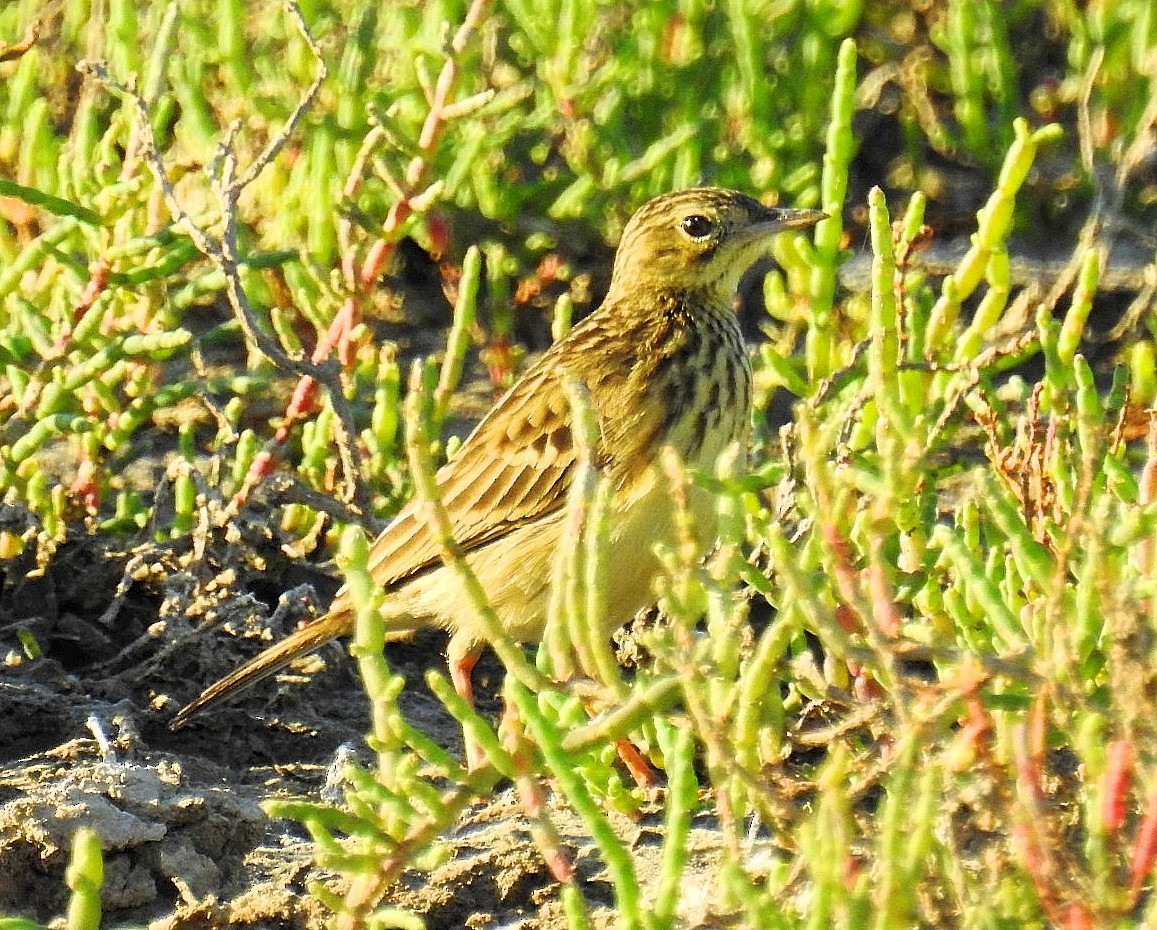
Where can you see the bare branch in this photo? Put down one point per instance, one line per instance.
(228, 184)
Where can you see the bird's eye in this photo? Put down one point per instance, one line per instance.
(697, 226)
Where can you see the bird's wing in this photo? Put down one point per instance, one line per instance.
(513, 469)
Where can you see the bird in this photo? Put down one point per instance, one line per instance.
(662, 363)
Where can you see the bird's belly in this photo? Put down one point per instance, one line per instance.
(516, 570)
(650, 522)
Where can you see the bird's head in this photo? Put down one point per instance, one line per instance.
(699, 240)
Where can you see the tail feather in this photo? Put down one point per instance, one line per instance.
(301, 642)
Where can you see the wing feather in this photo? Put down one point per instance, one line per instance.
(513, 469)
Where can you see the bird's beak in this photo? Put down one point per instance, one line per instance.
(784, 218)
(775, 220)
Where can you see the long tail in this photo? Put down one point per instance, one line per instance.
(309, 638)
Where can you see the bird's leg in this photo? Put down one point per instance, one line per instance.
(640, 769)
(638, 766)
(462, 656)
(461, 668)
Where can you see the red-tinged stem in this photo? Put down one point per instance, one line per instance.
(431, 134)
(883, 602)
(1078, 918)
(299, 406)
(1029, 829)
(98, 272)
(531, 798)
(499, 361)
(383, 247)
(1115, 786)
(533, 804)
(338, 333)
(364, 893)
(435, 123)
(847, 582)
(379, 253)
(1144, 849)
(85, 487)
(1028, 769)
(853, 869)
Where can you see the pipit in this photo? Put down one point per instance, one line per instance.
(663, 363)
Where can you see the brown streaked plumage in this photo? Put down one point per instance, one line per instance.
(663, 363)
